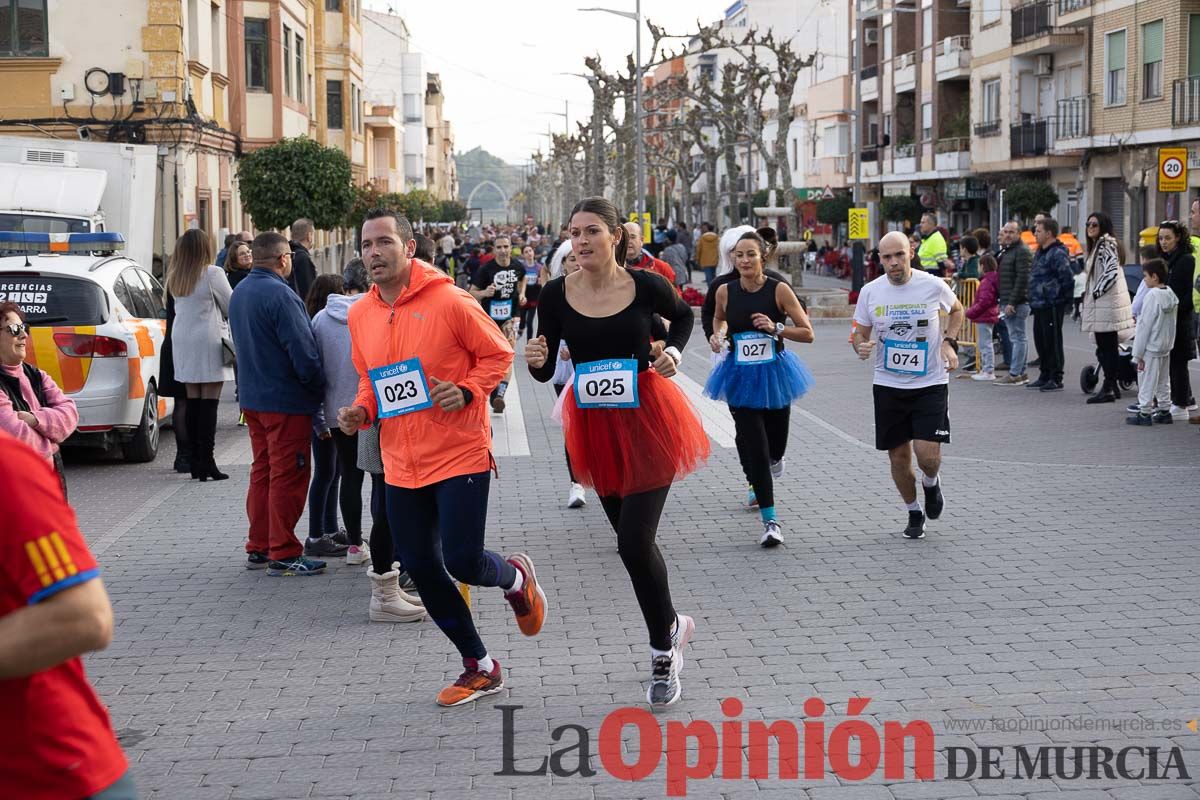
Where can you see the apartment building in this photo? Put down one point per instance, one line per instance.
(338, 73)
(441, 175)
(144, 73)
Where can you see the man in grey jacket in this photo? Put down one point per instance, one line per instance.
(1016, 259)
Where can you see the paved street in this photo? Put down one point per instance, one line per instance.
(1058, 589)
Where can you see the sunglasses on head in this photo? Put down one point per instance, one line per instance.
(1174, 223)
(17, 328)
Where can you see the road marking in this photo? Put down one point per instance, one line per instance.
(508, 429)
(713, 414)
(836, 431)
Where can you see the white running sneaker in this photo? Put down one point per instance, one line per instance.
(983, 376)
(358, 554)
(685, 628)
(772, 535)
(778, 467)
(576, 497)
(1179, 413)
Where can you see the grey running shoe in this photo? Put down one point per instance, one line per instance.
(664, 686)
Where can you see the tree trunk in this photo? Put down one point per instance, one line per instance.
(712, 210)
(731, 178)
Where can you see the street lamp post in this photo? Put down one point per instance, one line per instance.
(640, 156)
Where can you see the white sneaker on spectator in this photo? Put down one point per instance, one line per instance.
(1179, 413)
(358, 554)
(576, 498)
(983, 376)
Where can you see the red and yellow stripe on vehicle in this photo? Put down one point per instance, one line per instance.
(69, 372)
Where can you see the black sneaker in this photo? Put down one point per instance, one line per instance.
(325, 547)
(1037, 362)
(341, 538)
(934, 502)
(1142, 419)
(1052, 386)
(257, 561)
(1134, 408)
(916, 525)
(1039, 383)
(407, 584)
(664, 686)
(1163, 417)
(291, 567)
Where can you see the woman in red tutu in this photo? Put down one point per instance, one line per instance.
(630, 432)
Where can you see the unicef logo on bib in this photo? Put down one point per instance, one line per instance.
(607, 384)
(400, 388)
(753, 348)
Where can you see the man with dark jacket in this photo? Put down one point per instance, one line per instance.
(282, 386)
(1015, 261)
(303, 272)
(1050, 289)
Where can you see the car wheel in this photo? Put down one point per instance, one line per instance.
(143, 447)
(1088, 379)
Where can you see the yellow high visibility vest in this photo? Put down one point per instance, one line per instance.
(932, 251)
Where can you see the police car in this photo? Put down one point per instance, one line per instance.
(97, 326)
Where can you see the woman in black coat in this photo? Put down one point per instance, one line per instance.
(1175, 247)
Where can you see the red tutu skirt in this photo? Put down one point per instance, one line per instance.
(623, 451)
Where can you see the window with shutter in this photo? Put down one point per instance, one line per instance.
(1152, 60)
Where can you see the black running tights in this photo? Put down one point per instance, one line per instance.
(558, 389)
(761, 435)
(635, 520)
(383, 550)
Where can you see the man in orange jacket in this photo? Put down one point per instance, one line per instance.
(427, 356)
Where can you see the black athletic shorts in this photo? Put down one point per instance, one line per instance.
(902, 415)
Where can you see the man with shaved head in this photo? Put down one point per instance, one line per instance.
(897, 321)
(637, 258)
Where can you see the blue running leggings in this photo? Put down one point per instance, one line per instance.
(438, 531)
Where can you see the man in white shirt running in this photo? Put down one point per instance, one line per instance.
(897, 320)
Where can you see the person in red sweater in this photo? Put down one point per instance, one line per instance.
(56, 739)
(637, 258)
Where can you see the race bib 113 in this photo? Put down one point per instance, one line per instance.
(501, 310)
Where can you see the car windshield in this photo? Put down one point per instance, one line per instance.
(54, 299)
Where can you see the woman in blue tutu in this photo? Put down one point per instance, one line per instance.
(758, 377)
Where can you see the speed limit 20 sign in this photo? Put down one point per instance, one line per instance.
(1172, 169)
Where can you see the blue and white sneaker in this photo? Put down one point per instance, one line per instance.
(751, 498)
(291, 567)
(778, 467)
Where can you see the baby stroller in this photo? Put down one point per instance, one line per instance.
(1127, 375)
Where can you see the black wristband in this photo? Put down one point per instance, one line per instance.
(467, 396)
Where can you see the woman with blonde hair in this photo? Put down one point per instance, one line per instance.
(201, 293)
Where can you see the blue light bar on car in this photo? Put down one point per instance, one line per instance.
(26, 242)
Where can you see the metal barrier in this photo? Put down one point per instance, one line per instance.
(964, 290)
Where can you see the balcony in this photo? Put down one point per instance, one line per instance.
(1031, 21)
(986, 129)
(904, 159)
(1185, 102)
(868, 87)
(1032, 138)
(953, 58)
(952, 154)
(1071, 6)
(1074, 118)
(904, 79)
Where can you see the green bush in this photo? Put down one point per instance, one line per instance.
(296, 178)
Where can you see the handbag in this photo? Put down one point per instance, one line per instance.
(228, 351)
(370, 459)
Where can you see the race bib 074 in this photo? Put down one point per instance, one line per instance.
(607, 384)
(501, 310)
(753, 347)
(906, 358)
(400, 388)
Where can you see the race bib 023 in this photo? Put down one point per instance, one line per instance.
(906, 358)
(400, 388)
(501, 310)
(753, 347)
(607, 384)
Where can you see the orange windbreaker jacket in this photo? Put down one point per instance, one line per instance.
(456, 340)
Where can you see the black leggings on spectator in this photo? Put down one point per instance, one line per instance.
(443, 541)
(558, 389)
(635, 519)
(1177, 364)
(350, 491)
(383, 550)
(761, 435)
(1109, 358)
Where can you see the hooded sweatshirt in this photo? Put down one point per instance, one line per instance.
(455, 340)
(333, 343)
(1156, 324)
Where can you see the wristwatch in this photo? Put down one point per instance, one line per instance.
(779, 328)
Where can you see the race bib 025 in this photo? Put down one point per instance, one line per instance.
(400, 388)
(753, 347)
(607, 384)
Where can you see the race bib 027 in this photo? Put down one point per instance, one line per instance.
(607, 384)
(400, 388)
(753, 347)
(906, 358)
(501, 310)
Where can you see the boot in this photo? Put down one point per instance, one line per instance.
(208, 466)
(193, 422)
(387, 601)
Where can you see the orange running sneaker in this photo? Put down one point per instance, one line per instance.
(472, 684)
(529, 604)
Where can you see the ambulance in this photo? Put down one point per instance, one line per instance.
(97, 326)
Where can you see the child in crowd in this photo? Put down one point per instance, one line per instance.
(1153, 340)
(985, 312)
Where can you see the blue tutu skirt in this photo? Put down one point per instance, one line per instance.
(773, 385)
